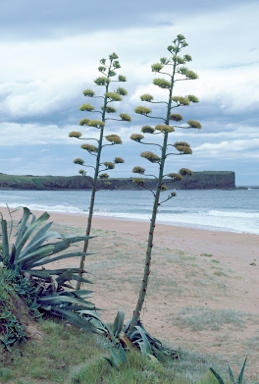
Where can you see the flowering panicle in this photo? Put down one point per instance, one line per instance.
(147, 129)
(114, 139)
(90, 148)
(150, 156)
(75, 134)
(164, 128)
(139, 170)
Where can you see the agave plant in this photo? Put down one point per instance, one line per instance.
(231, 375)
(133, 334)
(49, 290)
(124, 338)
(108, 70)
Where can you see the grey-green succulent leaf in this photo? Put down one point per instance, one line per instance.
(39, 239)
(5, 241)
(50, 259)
(26, 231)
(241, 374)
(144, 344)
(218, 377)
(29, 259)
(118, 357)
(76, 319)
(118, 323)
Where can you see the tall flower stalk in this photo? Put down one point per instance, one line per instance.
(108, 77)
(173, 70)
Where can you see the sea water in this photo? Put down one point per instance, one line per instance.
(223, 210)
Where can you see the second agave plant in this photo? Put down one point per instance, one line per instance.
(171, 70)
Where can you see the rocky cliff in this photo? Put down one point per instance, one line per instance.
(199, 180)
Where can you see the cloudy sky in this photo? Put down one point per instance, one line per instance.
(50, 52)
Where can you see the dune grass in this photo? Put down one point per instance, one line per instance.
(199, 319)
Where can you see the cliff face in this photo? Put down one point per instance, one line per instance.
(199, 180)
(209, 180)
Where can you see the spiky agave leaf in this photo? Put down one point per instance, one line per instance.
(39, 254)
(23, 221)
(240, 376)
(118, 357)
(28, 260)
(147, 344)
(46, 274)
(50, 259)
(100, 327)
(24, 231)
(231, 375)
(118, 322)
(143, 342)
(32, 249)
(68, 275)
(5, 242)
(63, 299)
(218, 377)
(76, 319)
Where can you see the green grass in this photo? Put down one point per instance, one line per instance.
(70, 356)
(63, 347)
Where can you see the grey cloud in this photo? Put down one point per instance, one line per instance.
(33, 19)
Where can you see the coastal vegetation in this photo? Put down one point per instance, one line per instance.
(30, 290)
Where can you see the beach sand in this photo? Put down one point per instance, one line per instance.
(204, 285)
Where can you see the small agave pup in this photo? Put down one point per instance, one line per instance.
(108, 77)
(175, 70)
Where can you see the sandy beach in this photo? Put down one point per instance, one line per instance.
(204, 285)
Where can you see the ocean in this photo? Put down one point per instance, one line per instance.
(222, 210)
